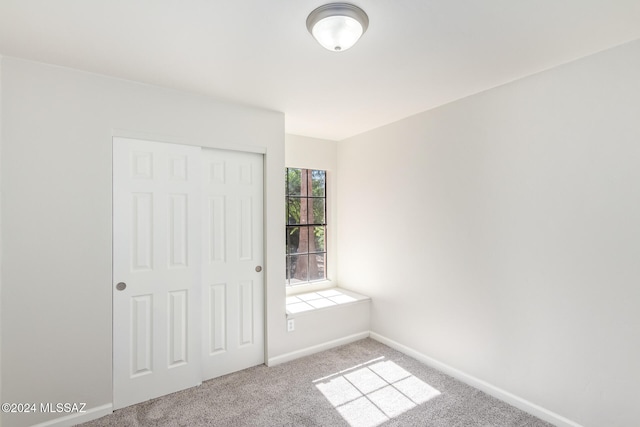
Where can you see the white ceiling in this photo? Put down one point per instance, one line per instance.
(416, 54)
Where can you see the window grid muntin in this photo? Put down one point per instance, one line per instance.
(292, 250)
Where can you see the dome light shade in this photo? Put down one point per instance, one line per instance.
(337, 26)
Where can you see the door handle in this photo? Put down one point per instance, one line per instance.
(121, 286)
(259, 268)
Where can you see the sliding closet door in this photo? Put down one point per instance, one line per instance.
(233, 294)
(156, 269)
(188, 297)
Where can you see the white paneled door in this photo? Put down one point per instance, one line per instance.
(168, 236)
(233, 301)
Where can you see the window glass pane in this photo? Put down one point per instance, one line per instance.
(293, 181)
(317, 183)
(299, 269)
(306, 257)
(292, 234)
(312, 240)
(316, 239)
(297, 240)
(305, 183)
(317, 266)
(303, 245)
(297, 211)
(303, 211)
(316, 211)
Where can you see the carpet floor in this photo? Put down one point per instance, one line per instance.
(362, 384)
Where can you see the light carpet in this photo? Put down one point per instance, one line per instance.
(362, 384)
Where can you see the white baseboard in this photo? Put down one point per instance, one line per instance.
(316, 348)
(79, 418)
(505, 396)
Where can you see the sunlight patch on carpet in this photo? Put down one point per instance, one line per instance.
(374, 392)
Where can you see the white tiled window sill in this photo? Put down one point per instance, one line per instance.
(321, 300)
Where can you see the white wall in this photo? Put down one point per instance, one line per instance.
(56, 217)
(1, 399)
(500, 235)
(312, 153)
(319, 329)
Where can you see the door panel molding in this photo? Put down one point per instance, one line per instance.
(187, 237)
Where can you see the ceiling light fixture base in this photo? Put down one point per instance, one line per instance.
(337, 26)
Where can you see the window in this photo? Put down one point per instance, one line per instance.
(306, 209)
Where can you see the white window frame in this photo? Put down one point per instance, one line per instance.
(330, 248)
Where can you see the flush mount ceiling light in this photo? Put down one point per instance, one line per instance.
(337, 26)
